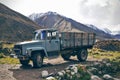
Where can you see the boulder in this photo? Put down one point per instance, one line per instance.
(45, 74)
(50, 78)
(107, 77)
(95, 77)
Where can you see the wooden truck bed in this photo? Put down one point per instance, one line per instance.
(77, 40)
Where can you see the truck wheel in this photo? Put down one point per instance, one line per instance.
(65, 56)
(37, 60)
(24, 62)
(82, 55)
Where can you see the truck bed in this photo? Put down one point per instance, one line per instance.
(71, 40)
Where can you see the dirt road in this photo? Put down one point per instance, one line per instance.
(19, 72)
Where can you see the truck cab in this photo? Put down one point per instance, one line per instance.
(45, 43)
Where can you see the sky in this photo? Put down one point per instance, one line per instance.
(101, 13)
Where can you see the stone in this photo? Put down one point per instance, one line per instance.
(93, 70)
(72, 73)
(95, 77)
(96, 64)
(63, 71)
(68, 71)
(108, 64)
(45, 74)
(107, 77)
(50, 78)
(116, 79)
(106, 60)
(75, 69)
(60, 74)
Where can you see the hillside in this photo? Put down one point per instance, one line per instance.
(109, 45)
(62, 23)
(14, 26)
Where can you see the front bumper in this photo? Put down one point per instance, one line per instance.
(21, 57)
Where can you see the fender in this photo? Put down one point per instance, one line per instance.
(31, 49)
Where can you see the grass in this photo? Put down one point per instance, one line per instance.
(7, 45)
(101, 54)
(9, 60)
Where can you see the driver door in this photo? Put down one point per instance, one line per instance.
(52, 44)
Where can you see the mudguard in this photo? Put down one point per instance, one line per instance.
(31, 49)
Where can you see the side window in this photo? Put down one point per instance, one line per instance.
(51, 35)
(54, 35)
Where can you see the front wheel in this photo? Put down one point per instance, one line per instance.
(37, 60)
(82, 55)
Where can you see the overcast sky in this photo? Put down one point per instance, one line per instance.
(102, 13)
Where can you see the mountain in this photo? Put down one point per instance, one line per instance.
(64, 24)
(14, 26)
(117, 36)
(107, 31)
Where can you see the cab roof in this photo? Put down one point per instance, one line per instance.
(48, 30)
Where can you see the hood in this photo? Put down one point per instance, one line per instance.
(28, 42)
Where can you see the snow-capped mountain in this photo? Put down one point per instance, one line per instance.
(38, 15)
(62, 23)
(92, 26)
(106, 30)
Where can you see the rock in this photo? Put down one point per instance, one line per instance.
(96, 64)
(63, 71)
(68, 71)
(50, 78)
(107, 77)
(108, 64)
(93, 70)
(106, 60)
(60, 74)
(45, 73)
(72, 73)
(95, 77)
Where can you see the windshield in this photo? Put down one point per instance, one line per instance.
(42, 35)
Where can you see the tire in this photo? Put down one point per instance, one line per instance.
(66, 56)
(37, 60)
(82, 55)
(24, 62)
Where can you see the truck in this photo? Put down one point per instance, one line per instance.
(49, 43)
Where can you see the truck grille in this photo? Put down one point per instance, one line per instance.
(18, 49)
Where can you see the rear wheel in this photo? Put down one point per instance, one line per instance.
(24, 62)
(82, 55)
(37, 60)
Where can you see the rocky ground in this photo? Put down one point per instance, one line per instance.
(18, 72)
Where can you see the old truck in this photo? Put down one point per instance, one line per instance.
(50, 42)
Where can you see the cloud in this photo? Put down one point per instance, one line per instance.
(101, 12)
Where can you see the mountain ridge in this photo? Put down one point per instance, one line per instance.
(63, 23)
(15, 27)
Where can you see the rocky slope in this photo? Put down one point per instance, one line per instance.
(14, 26)
(62, 23)
(109, 45)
